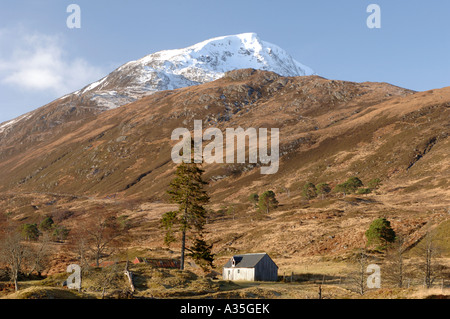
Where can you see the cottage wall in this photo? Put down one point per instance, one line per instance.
(239, 274)
(266, 270)
(251, 267)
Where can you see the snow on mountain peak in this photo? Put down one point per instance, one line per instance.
(200, 63)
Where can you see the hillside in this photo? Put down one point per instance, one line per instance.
(330, 130)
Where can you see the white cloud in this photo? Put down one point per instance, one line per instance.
(39, 62)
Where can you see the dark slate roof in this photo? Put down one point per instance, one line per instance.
(245, 261)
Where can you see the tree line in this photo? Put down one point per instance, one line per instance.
(353, 185)
(27, 249)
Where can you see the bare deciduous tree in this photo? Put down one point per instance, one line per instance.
(39, 254)
(13, 253)
(98, 236)
(78, 244)
(428, 251)
(394, 263)
(102, 233)
(359, 278)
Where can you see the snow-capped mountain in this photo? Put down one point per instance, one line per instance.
(172, 69)
(197, 64)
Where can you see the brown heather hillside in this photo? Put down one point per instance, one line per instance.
(109, 153)
(71, 160)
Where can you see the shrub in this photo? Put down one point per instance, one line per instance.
(124, 222)
(353, 183)
(254, 199)
(323, 189)
(340, 188)
(46, 224)
(374, 183)
(364, 191)
(309, 191)
(60, 233)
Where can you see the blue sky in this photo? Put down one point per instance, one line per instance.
(41, 59)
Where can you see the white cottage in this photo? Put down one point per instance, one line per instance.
(251, 267)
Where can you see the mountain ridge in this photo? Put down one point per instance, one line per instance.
(199, 63)
(171, 69)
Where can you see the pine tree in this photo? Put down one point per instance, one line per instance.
(352, 184)
(186, 190)
(254, 199)
(46, 224)
(380, 233)
(267, 201)
(30, 231)
(201, 253)
(309, 191)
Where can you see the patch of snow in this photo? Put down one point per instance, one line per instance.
(94, 85)
(9, 124)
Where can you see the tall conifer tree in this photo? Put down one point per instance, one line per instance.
(186, 190)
